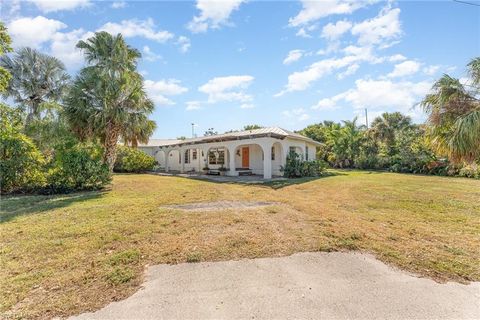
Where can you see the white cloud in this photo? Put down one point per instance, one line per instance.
(63, 46)
(301, 80)
(350, 70)
(303, 33)
(331, 47)
(184, 43)
(328, 103)
(213, 14)
(247, 106)
(431, 70)
(193, 105)
(380, 95)
(33, 32)
(158, 90)
(314, 10)
(230, 88)
(298, 114)
(150, 55)
(56, 5)
(41, 32)
(119, 4)
(386, 94)
(293, 56)
(334, 31)
(397, 58)
(137, 28)
(384, 27)
(406, 68)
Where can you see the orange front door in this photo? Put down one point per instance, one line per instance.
(245, 157)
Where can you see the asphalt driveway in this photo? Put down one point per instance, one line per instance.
(304, 285)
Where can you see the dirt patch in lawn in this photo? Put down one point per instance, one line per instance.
(220, 205)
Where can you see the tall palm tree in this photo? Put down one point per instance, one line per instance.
(37, 78)
(108, 93)
(138, 130)
(454, 115)
(385, 126)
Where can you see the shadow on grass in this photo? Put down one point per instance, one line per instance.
(18, 205)
(277, 183)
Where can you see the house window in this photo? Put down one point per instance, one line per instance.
(216, 156)
(194, 154)
(273, 153)
(306, 153)
(292, 149)
(187, 156)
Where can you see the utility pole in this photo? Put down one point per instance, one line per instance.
(366, 117)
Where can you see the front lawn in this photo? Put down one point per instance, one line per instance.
(62, 255)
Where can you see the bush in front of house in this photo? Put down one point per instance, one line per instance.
(133, 160)
(295, 167)
(77, 167)
(21, 164)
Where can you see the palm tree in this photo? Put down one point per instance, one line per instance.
(108, 94)
(345, 142)
(37, 78)
(5, 42)
(386, 127)
(138, 129)
(454, 115)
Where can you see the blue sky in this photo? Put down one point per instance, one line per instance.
(225, 64)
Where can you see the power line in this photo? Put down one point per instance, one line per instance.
(469, 3)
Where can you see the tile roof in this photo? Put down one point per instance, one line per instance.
(273, 131)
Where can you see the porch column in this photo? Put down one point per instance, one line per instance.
(182, 160)
(199, 159)
(204, 150)
(167, 155)
(267, 161)
(231, 161)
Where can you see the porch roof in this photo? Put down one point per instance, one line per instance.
(274, 132)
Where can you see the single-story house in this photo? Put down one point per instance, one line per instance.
(260, 151)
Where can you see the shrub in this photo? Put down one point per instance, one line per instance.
(133, 160)
(21, 165)
(470, 171)
(77, 167)
(296, 167)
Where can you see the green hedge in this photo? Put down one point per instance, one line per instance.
(21, 164)
(295, 167)
(76, 168)
(133, 160)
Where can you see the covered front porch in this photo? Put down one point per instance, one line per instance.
(261, 157)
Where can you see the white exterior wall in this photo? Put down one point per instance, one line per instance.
(260, 152)
(148, 150)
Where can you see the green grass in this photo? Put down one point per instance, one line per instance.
(66, 254)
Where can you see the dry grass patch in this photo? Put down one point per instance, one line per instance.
(62, 255)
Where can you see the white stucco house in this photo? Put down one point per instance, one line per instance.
(259, 151)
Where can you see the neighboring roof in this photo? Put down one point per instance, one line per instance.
(274, 132)
(159, 142)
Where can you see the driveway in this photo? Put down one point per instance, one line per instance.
(305, 285)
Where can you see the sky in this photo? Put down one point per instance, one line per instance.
(226, 64)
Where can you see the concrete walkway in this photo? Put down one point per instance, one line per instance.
(305, 285)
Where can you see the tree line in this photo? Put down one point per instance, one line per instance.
(448, 143)
(62, 132)
(67, 129)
